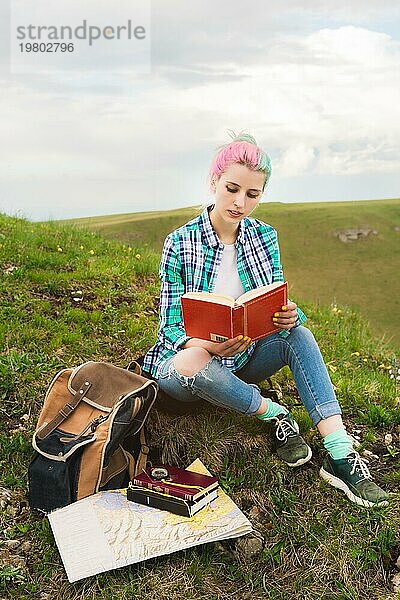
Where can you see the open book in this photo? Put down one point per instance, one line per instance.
(217, 317)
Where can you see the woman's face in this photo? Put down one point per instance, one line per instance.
(237, 192)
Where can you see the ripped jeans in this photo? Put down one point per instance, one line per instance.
(238, 390)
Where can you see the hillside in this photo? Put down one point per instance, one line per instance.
(320, 268)
(69, 295)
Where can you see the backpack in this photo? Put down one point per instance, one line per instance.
(90, 433)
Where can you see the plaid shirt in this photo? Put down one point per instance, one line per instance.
(189, 263)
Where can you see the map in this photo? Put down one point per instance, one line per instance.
(107, 531)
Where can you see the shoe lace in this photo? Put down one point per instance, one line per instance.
(284, 429)
(358, 464)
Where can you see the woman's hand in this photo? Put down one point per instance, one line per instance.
(229, 347)
(286, 319)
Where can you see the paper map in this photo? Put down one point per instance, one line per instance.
(107, 531)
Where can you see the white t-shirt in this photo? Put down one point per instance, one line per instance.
(228, 281)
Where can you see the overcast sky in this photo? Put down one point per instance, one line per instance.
(316, 82)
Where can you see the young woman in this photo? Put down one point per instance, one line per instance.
(223, 250)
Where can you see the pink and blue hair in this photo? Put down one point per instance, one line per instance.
(242, 149)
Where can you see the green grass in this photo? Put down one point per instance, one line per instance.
(320, 269)
(317, 544)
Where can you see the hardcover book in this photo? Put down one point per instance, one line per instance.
(217, 317)
(180, 483)
(185, 508)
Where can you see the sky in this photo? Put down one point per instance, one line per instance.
(316, 82)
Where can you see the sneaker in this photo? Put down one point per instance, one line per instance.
(352, 475)
(289, 444)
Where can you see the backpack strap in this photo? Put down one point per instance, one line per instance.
(64, 412)
(142, 458)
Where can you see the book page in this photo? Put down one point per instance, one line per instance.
(258, 292)
(209, 297)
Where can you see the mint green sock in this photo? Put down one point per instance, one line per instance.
(273, 410)
(338, 444)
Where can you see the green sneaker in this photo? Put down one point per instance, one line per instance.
(289, 445)
(352, 475)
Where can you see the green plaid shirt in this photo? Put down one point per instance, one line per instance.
(189, 263)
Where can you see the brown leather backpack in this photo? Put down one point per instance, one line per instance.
(90, 434)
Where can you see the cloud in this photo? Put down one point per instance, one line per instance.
(296, 159)
(360, 11)
(353, 46)
(334, 85)
(323, 101)
(312, 91)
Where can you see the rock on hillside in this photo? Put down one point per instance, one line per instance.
(350, 235)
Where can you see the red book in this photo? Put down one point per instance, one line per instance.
(179, 483)
(218, 318)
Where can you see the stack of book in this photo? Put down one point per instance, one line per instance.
(179, 491)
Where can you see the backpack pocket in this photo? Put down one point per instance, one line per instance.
(54, 470)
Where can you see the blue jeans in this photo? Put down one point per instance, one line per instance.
(238, 390)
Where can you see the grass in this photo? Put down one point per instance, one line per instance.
(320, 269)
(70, 295)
